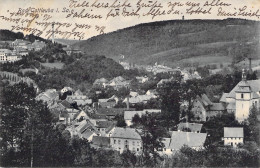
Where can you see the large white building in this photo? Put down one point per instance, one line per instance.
(126, 139)
(7, 55)
(242, 98)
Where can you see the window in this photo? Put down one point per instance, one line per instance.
(114, 141)
(119, 142)
(242, 96)
(137, 149)
(133, 143)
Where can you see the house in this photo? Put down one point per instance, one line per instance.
(119, 82)
(38, 45)
(64, 118)
(104, 127)
(101, 82)
(162, 81)
(126, 139)
(66, 106)
(81, 100)
(22, 44)
(190, 127)
(129, 115)
(179, 139)
(106, 103)
(186, 75)
(66, 89)
(70, 50)
(233, 136)
(142, 79)
(82, 115)
(139, 99)
(125, 65)
(152, 92)
(7, 55)
(133, 94)
(203, 108)
(84, 129)
(100, 142)
(242, 97)
(50, 96)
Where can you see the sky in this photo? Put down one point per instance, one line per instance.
(113, 24)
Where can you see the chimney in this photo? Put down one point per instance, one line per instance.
(250, 65)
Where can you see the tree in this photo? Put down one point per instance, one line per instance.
(120, 121)
(170, 95)
(190, 90)
(27, 131)
(254, 125)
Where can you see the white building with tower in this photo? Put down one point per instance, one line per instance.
(242, 98)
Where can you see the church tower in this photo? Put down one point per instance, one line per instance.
(243, 99)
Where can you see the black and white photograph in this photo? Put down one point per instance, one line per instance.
(130, 83)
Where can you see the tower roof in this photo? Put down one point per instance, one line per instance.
(253, 85)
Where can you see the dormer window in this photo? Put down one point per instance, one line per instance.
(242, 96)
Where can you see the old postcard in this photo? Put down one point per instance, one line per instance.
(130, 83)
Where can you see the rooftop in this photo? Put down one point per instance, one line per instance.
(178, 139)
(125, 133)
(233, 132)
(254, 86)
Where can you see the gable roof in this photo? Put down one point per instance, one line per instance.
(125, 133)
(118, 79)
(178, 139)
(235, 132)
(194, 127)
(223, 97)
(80, 112)
(87, 133)
(86, 125)
(204, 100)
